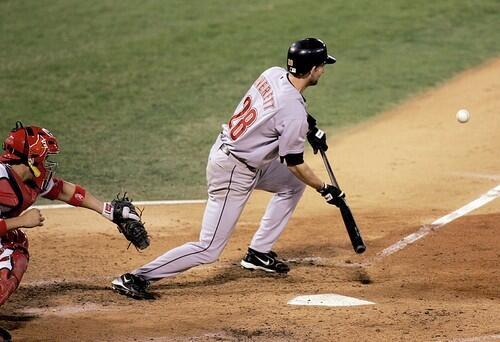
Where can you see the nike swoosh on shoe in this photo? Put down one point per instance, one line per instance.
(266, 263)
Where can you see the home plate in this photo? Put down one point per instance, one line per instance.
(327, 300)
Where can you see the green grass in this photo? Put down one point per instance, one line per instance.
(136, 90)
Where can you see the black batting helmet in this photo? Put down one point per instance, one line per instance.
(306, 53)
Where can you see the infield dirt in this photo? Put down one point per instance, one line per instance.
(401, 170)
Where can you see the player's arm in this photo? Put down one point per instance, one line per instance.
(8, 199)
(303, 172)
(77, 196)
(292, 147)
(29, 219)
(120, 211)
(73, 194)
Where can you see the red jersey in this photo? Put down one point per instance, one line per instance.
(15, 197)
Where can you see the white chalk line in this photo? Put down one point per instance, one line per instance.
(137, 203)
(426, 229)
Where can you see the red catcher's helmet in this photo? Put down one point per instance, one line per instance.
(32, 146)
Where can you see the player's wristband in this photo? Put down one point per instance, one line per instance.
(3, 227)
(78, 196)
(107, 211)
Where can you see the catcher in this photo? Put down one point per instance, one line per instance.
(26, 172)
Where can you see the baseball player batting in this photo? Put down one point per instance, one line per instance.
(260, 147)
(27, 172)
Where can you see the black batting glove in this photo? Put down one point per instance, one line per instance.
(315, 136)
(332, 194)
(317, 139)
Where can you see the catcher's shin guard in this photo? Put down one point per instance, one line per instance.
(10, 278)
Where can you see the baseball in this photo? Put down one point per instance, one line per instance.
(463, 115)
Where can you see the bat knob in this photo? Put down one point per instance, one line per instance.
(360, 249)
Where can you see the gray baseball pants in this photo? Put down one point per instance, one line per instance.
(230, 183)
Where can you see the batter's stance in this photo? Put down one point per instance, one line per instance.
(260, 147)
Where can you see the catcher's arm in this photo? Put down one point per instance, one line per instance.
(77, 196)
(120, 211)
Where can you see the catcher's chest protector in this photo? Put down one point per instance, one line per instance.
(15, 195)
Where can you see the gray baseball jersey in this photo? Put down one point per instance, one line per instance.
(270, 121)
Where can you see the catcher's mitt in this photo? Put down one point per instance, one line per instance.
(129, 222)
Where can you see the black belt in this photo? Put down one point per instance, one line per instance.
(224, 148)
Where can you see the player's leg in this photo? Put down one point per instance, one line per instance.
(230, 185)
(287, 190)
(13, 264)
(222, 211)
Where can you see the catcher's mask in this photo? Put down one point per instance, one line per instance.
(32, 146)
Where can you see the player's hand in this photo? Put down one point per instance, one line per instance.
(315, 136)
(317, 139)
(119, 210)
(332, 194)
(32, 218)
(128, 220)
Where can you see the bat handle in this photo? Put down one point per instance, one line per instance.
(329, 169)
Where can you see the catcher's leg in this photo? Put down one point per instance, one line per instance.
(13, 264)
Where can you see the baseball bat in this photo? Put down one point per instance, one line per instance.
(349, 222)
